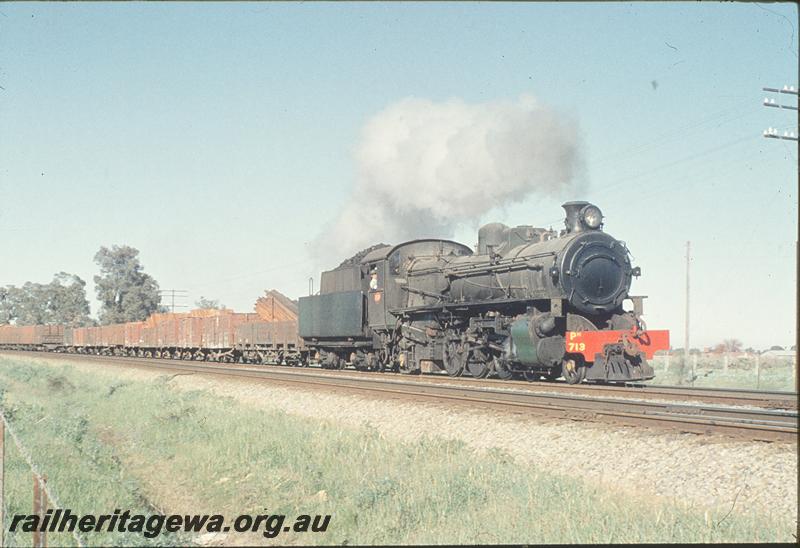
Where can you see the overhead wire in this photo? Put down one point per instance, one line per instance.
(677, 132)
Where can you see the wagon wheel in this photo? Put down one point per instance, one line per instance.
(382, 357)
(360, 361)
(478, 364)
(455, 358)
(371, 362)
(332, 361)
(572, 372)
(390, 360)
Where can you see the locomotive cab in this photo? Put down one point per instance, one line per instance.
(395, 289)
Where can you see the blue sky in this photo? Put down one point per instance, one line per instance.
(218, 139)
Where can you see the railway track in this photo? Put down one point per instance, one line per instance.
(700, 417)
(681, 394)
(726, 396)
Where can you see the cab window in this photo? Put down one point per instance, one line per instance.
(394, 263)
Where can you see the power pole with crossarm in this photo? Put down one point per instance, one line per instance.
(772, 133)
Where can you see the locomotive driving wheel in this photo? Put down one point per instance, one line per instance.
(479, 365)
(455, 358)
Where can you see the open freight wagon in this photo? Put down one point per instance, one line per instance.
(267, 336)
(31, 337)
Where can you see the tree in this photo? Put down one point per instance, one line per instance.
(776, 347)
(62, 301)
(206, 304)
(6, 313)
(125, 292)
(729, 345)
(28, 304)
(22, 305)
(66, 301)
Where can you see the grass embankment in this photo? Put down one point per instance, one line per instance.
(106, 444)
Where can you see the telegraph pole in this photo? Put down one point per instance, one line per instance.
(772, 133)
(686, 319)
(180, 293)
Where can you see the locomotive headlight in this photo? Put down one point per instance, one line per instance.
(592, 216)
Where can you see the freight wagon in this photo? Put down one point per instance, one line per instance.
(207, 335)
(31, 337)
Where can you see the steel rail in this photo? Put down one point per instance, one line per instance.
(728, 396)
(734, 396)
(731, 396)
(758, 424)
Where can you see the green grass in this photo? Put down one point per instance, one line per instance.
(106, 443)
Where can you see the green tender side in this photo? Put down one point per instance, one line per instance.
(332, 315)
(525, 348)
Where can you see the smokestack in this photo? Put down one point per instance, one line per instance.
(573, 220)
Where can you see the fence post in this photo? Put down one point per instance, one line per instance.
(40, 503)
(2, 481)
(37, 499)
(44, 505)
(666, 362)
(758, 372)
(694, 367)
(725, 362)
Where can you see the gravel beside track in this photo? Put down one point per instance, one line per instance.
(750, 477)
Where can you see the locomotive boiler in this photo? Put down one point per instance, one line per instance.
(527, 302)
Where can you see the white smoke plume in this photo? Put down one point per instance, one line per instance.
(425, 167)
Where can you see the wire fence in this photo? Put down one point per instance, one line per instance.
(43, 494)
(739, 369)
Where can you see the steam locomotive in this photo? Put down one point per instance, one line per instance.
(528, 302)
